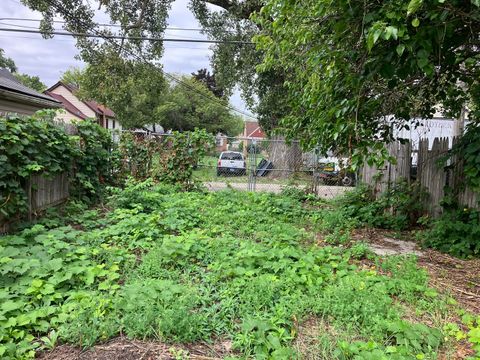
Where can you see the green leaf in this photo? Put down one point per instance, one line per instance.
(413, 6)
(10, 305)
(391, 31)
(415, 22)
(400, 49)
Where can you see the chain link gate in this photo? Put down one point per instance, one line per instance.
(271, 165)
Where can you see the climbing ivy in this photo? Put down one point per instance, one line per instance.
(36, 145)
(94, 165)
(169, 158)
(29, 146)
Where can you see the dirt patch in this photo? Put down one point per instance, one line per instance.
(459, 277)
(125, 349)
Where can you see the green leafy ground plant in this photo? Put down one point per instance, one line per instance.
(190, 266)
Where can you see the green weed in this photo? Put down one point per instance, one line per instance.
(193, 266)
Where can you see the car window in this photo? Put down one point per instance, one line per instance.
(232, 156)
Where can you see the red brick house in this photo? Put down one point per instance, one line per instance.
(252, 130)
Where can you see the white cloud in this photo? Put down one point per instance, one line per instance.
(48, 58)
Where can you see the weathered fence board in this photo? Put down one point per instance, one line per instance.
(381, 178)
(43, 191)
(431, 175)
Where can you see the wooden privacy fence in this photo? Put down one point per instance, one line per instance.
(431, 174)
(44, 191)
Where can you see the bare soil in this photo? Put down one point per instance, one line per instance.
(122, 348)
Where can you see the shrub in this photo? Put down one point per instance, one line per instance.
(94, 166)
(29, 146)
(399, 208)
(455, 232)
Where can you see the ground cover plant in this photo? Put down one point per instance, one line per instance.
(183, 267)
(402, 208)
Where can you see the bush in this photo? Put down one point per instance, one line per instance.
(399, 208)
(29, 146)
(94, 165)
(455, 232)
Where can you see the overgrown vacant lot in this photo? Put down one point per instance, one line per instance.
(232, 274)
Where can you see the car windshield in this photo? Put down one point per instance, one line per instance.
(232, 156)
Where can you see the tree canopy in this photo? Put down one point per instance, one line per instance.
(32, 82)
(204, 76)
(190, 104)
(133, 90)
(6, 62)
(233, 64)
(72, 76)
(351, 65)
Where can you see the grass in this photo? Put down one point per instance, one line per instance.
(183, 267)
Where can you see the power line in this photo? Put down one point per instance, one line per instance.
(72, 41)
(36, 28)
(103, 24)
(187, 86)
(134, 38)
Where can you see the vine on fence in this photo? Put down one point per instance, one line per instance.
(28, 146)
(35, 145)
(94, 165)
(137, 152)
(168, 158)
(180, 153)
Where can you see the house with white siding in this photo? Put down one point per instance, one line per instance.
(77, 109)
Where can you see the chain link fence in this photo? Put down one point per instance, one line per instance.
(272, 165)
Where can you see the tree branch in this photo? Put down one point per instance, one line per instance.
(242, 10)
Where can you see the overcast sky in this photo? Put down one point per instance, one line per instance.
(49, 58)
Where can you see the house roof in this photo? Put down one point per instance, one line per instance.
(96, 107)
(253, 130)
(67, 105)
(15, 89)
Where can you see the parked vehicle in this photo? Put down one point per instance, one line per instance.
(231, 163)
(329, 175)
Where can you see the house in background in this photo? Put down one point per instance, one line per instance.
(16, 98)
(221, 142)
(252, 130)
(77, 109)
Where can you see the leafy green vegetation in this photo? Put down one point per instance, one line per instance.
(34, 145)
(28, 146)
(399, 208)
(170, 158)
(188, 266)
(455, 232)
(377, 58)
